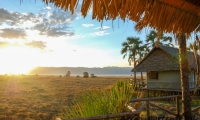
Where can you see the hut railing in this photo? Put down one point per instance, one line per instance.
(146, 104)
(167, 84)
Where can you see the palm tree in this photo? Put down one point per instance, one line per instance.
(155, 36)
(131, 48)
(190, 47)
(184, 73)
(196, 48)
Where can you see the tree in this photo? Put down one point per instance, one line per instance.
(85, 74)
(184, 73)
(92, 76)
(131, 48)
(195, 47)
(158, 37)
(68, 74)
(190, 47)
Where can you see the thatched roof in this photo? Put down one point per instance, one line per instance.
(163, 58)
(177, 16)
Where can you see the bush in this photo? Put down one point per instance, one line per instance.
(98, 102)
(85, 74)
(93, 76)
(77, 76)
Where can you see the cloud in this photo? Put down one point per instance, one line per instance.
(49, 21)
(36, 44)
(12, 33)
(56, 32)
(87, 25)
(3, 44)
(55, 22)
(103, 27)
(15, 18)
(7, 16)
(100, 33)
(7, 44)
(45, 29)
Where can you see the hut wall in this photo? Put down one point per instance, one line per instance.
(166, 80)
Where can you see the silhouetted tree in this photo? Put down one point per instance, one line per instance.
(85, 74)
(68, 74)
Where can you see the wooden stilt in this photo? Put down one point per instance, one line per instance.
(147, 110)
(177, 107)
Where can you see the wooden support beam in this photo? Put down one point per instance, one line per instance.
(196, 108)
(195, 97)
(162, 108)
(177, 106)
(153, 98)
(143, 106)
(147, 110)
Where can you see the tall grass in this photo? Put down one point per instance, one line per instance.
(97, 102)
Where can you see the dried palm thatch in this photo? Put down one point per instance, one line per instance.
(164, 58)
(176, 16)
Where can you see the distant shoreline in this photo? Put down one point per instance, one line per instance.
(74, 75)
(82, 74)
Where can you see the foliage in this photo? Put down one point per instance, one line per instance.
(85, 74)
(131, 48)
(92, 76)
(77, 76)
(99, 102)
(154, 37)
(68, 74)
(135, 50)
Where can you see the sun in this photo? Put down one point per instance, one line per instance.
(15, 60)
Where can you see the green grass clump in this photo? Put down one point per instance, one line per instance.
(96, 102)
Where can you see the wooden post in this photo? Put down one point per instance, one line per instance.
(177, 107)
(147, 109)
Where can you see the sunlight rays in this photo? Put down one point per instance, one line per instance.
(15, 60)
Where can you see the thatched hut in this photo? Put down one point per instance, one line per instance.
(163, 69)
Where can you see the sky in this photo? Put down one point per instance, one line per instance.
(35, 34)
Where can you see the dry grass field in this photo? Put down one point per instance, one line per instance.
(44, 97)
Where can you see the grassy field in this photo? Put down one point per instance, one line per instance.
(44, 97)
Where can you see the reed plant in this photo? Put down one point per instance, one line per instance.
(96, 102)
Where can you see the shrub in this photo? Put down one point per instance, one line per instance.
(85, 74)
(93, 76)
(98, 102)
(77, 76)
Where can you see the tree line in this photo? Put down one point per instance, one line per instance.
(85, 75)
